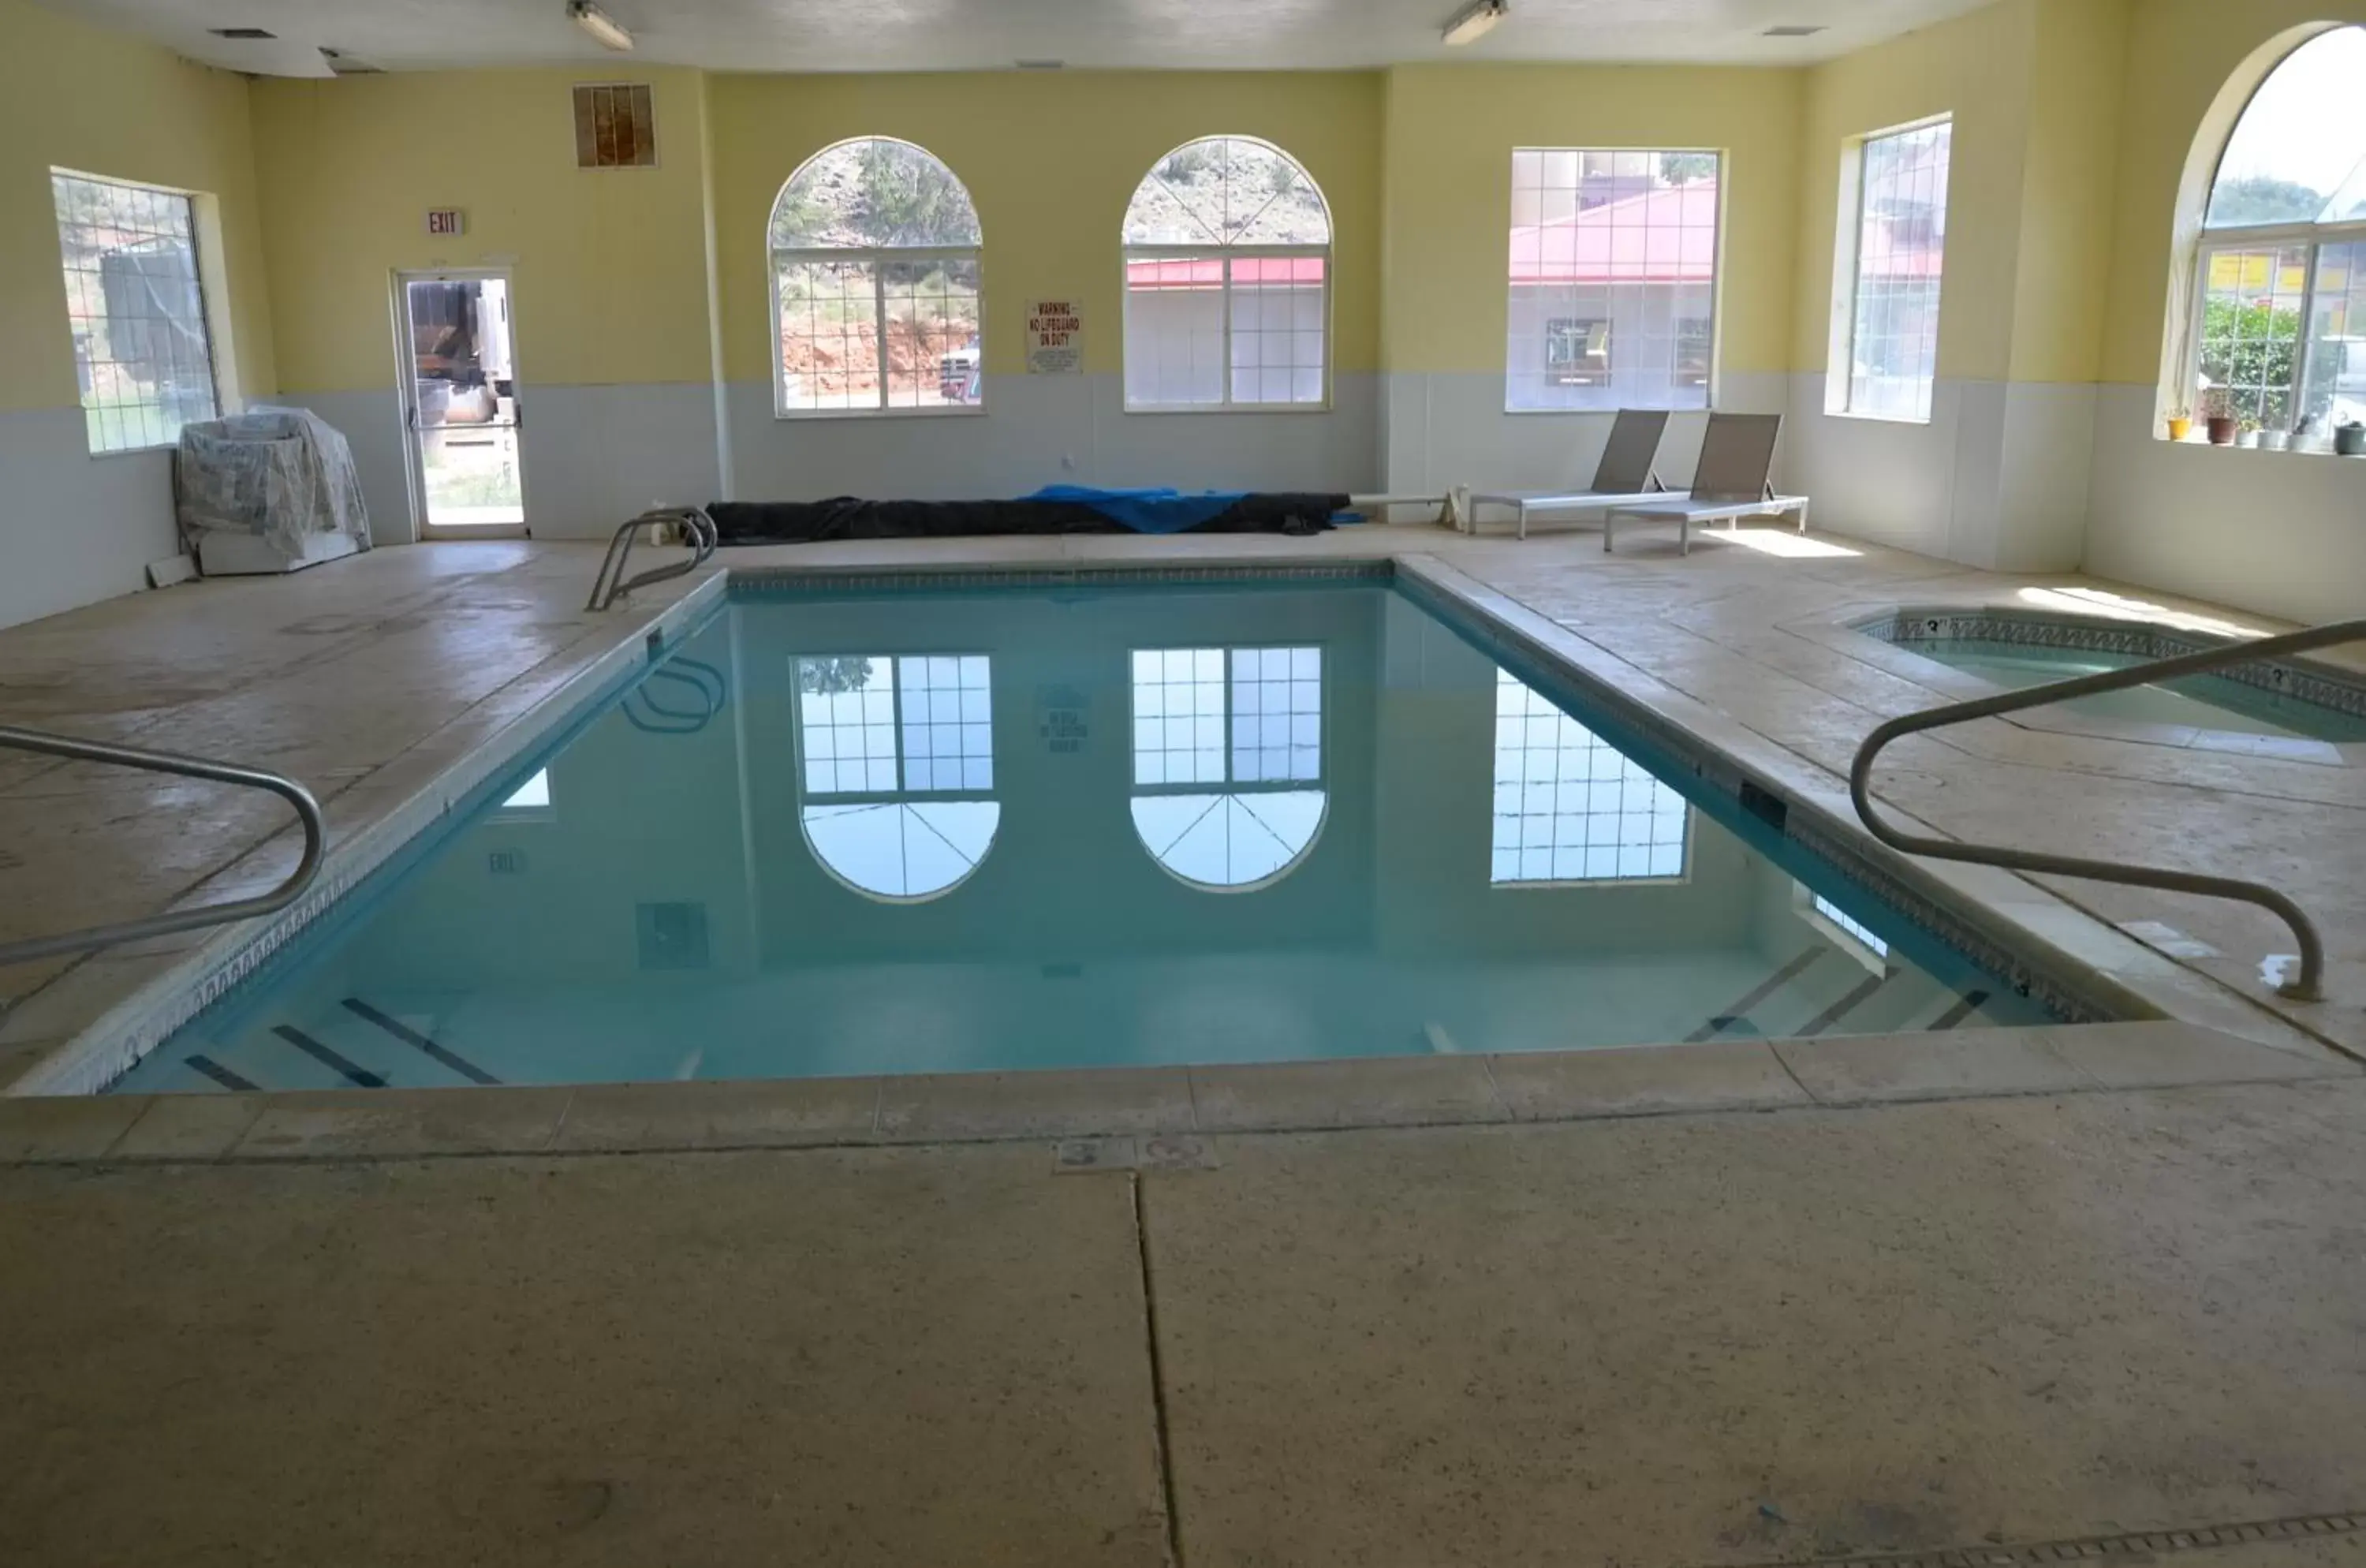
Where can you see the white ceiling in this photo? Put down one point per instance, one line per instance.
(951, 35)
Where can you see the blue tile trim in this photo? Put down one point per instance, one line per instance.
(2306, 681)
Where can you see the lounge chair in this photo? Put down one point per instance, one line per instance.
(1729, 484)
(1623, 474)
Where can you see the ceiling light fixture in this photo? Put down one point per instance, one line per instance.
(599, 24)
(1472, 24)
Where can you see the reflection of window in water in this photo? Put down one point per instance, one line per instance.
(532, 795)
(874, 731)
(1249, 719)
(1569, 807)
(1840, 918)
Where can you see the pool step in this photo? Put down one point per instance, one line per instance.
(355, 1043)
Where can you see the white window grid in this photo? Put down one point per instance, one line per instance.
(1268, 344)
(1569, 808)
(919, 724)
(2322, 335)
(861, 311)
(135, 302)
(1629, 341)
(2302, 300)
(1893, 340)
(1239, 716)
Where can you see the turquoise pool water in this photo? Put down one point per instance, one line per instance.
(2206, 701)
(899, 832)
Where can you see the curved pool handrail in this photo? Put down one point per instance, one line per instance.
(2307, 987)
(308, 812)
(610, 584)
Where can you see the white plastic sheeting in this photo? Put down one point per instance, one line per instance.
(280, 476)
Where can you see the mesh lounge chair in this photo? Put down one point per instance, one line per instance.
(1623, 474)
(1731, 483)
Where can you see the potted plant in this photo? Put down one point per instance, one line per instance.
(2247, 434)
(2181, 422)
(2274, 440)
(2218, 417)
(2350, 440)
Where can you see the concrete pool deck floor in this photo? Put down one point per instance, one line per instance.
(1808, 1327)
(1981, 1326)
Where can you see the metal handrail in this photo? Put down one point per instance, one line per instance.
(2308, 986)
(612, 584)
(308, 810)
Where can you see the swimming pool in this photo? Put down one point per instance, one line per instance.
(862, 829)
(2015, 652)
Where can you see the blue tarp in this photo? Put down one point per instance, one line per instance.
(1146, 511)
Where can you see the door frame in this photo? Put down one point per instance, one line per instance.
(407, 392)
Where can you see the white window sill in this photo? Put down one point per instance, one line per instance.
(2197, 440)
(135, 451)
(1862, 418)
(1322, 407)
(945, 411)
(1651, 408)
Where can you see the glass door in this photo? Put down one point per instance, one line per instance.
(460, 405)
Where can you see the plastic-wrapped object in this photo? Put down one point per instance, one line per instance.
(280, 476)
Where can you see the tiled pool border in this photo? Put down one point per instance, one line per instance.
(2303, 680)
(127, 1031)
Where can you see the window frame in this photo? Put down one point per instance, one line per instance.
(1712, 385)
(210, 336)
(2201, 243)
(1680, 877)
(1231, 785)
(875, 257)
(2210, 243)
(904, 793)
(1224, 256)
(1848, 277)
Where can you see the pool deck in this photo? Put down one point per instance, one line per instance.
(1767, 1304)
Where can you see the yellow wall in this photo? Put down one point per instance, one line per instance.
(609, 263)
(1977, 67)
(74, 96)
(2062, 276)
(1450, 133)
(1051, 162)
(2181, 54)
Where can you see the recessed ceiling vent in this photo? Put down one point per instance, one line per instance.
(345, 64)
(614, 127)
(1794, 29)
(242, 32)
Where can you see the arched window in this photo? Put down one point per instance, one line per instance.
(1227, 280)
(2279, 327)
(1247, 721)
(896, 764)
(875, 261)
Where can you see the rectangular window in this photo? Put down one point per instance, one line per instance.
(867, 331)
(1840, 916)
(1569, 808)
(2336, 387)
(1224, 330)
(1900, 254)
(137, 310)
(907, 725)
(1613, 271)
(1195, 708)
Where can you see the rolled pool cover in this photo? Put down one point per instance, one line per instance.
(1057, 508)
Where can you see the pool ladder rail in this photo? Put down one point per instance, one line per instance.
(2308, 986)
(697, 530)
(308, 812)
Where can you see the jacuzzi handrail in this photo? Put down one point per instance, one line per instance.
(612, 584)
(307, 811)
(2307, 987)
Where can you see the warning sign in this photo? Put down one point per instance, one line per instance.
(1055, 338)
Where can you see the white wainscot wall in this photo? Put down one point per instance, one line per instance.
(2279, 533)
(592, 456)
(1040, 430)
(75, 528)
(1443, 429)
(1997, 479)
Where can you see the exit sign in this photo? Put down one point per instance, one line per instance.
(445, 220)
